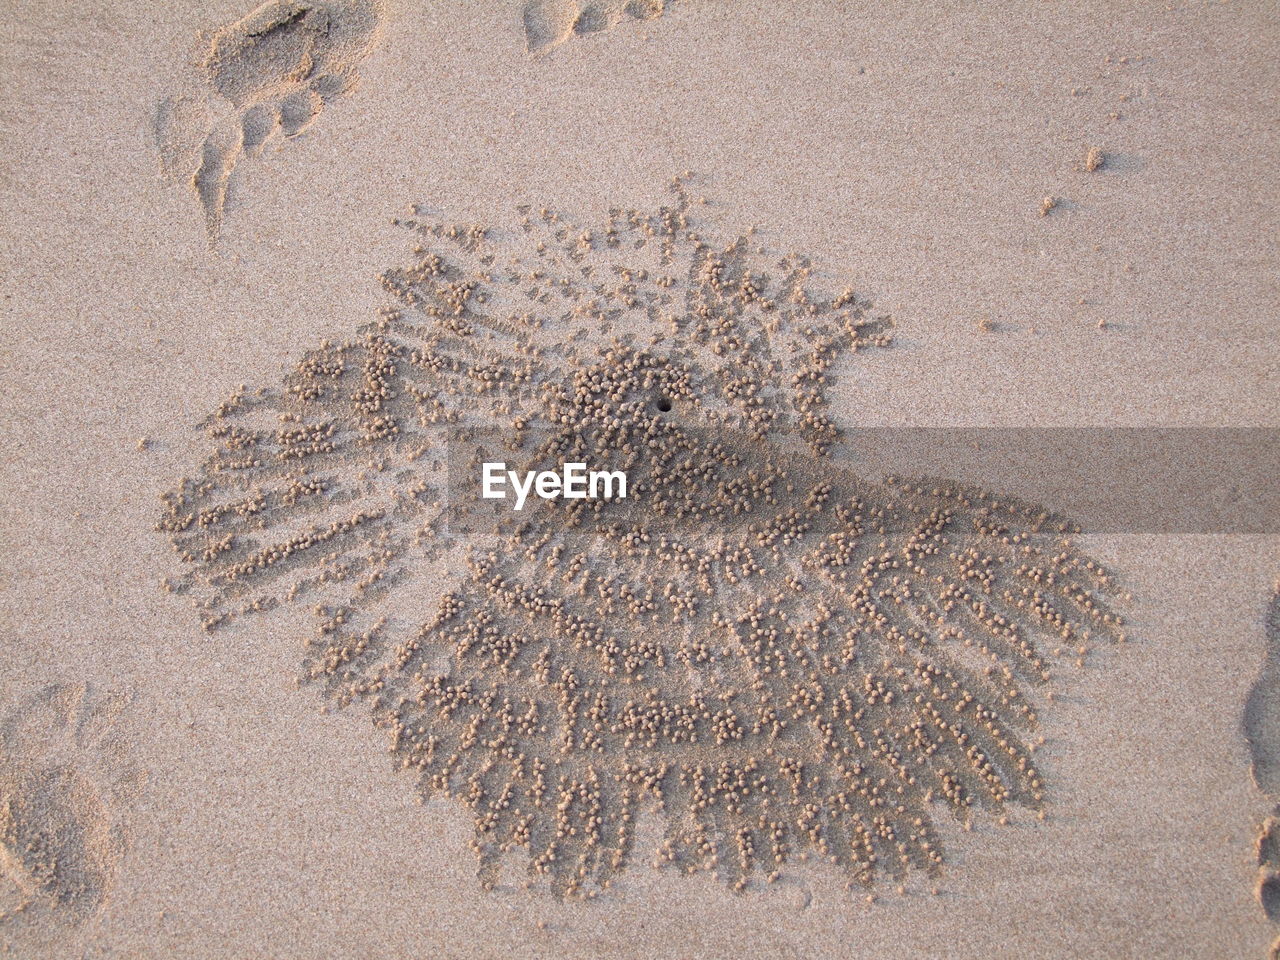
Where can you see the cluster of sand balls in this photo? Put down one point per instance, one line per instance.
(776, 657)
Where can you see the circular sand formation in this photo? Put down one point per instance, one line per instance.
(774, 656)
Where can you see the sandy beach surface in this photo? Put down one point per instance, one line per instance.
(188, 207)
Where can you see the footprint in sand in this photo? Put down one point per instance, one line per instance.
(1262, 730)
(262, 79)
(548, 23)
(63, 778)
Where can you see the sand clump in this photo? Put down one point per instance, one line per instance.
(65, 780)
(770, 655)
(263, 79)
(549, 23)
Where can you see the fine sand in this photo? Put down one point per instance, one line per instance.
(277, 684)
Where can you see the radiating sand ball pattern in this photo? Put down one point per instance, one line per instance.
(776, 657)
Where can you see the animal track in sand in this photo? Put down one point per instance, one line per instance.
(774, 657)
(64, 773)
(1262, 732)
(262, 79)
(549, 23)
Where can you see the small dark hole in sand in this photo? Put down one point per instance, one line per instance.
(663, 405)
